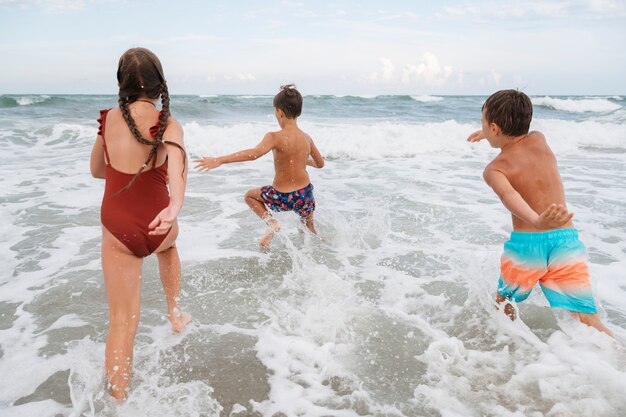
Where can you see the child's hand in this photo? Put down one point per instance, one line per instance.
(553, 217)
(163, 222)
(207, 163)
(476, 136)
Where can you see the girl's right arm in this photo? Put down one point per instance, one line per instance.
(96, 161)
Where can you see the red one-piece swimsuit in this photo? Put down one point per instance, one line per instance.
(127, 214)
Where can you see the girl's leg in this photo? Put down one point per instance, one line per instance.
(254, 200)
(169, 270)
(122, 279)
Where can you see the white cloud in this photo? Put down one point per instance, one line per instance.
(496, 77)
(388, 68)
(460, 78)
(49, 6)
(190, 37)
(429, 70)
(459, 11)
(63, 6)
(530, 9)
(518, 81)
(293, 3)
(606, 7)
(246, 77)
(399, 16)
(386, 74)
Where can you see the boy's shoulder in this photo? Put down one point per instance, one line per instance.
(536, 134)
(534, 144)
(282, 133)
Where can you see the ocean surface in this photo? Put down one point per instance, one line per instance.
(390, 314)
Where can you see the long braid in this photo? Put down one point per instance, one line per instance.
(135, 131)
(165, 114)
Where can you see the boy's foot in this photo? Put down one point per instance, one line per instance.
(509, 310)
(179, 319)
(272, 228)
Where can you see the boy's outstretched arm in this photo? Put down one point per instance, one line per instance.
(266, 145)
(555, 216)
(476, 136)
(315, 160)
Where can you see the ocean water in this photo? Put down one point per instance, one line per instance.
(390, 314)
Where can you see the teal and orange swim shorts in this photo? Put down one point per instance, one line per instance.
(556, 259)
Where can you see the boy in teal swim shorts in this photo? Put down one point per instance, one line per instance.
(293, 150)
(544, 245)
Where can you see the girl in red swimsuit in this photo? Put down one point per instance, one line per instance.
(138, 149)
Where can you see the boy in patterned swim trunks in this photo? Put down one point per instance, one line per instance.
(544, 245)
(293, 150)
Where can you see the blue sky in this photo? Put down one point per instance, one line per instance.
(325, 47)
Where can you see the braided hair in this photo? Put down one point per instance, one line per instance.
(139, 73)
(289, 100)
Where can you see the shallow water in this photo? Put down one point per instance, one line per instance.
(389, 314)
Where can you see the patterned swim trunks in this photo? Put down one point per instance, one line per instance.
(556, 259)
(301, 201)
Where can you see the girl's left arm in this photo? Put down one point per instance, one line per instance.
(177, 174)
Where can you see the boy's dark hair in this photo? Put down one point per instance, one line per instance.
(512, 110)
(289, 100)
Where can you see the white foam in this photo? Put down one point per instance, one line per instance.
(392, 314)
(343, 141)
(30, 100)
(427, 98)
(399, 140)
(35, 408)
(568, 137)
(582, 105)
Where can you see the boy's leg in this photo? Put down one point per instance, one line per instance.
(122, 279)
(308, 221)
(256, 203)
(592, 320)
(521, 266)
(169, 270)
(568, 285)
(509, 310)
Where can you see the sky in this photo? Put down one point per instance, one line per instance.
(361, 47)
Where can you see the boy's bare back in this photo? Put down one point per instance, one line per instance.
(531, 169)
(291, 151)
